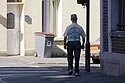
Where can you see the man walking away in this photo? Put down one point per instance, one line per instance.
(72, 43)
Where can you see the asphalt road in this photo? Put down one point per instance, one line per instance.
(54, 73)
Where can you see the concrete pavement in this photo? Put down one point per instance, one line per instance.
(10, 61)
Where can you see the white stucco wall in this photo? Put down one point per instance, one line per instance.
(71, 6)
(32, 10)
(94, 19)
(28, 28)
(3, 29)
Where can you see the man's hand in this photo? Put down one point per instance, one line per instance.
(82, 47)
(83, 41)
(65, 46)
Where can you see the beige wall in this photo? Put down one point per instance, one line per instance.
(71, 6)
(95, 20)
(34, 13)
(3, 29)
(33, 10)
(33, 20)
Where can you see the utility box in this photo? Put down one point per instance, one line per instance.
(43, 44)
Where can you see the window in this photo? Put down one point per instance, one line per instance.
(121, 20)
(10, 21)
(118, 15)
(14, 0)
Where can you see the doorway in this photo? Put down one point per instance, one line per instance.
(13, 28)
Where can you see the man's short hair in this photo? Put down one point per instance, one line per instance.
(73, 16)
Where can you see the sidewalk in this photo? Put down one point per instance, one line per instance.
(27, 60)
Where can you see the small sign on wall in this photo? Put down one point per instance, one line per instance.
(49, 43)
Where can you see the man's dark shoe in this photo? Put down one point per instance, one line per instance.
(77, 74)
(70, 72)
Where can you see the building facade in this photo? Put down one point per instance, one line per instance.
(20, 19)
(113, 37)
(17, 26)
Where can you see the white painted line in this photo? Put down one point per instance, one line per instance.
(30, 71)
(4, 75)
(58, 76)
(34, 66)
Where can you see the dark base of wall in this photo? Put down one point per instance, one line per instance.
(3, 53)
(113, 64)
(30, 53)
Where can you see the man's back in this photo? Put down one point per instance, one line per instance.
(73, 32)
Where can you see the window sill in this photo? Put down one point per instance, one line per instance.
(117, 34)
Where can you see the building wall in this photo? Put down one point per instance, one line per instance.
(3, 29)
(113, 55)
(32, 24)
(94, 20)
(113, 64)
(71, 6)
(68, 7)
(31, 21)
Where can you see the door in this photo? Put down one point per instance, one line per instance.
(13, 29)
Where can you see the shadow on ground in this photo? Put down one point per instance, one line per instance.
(55, 73)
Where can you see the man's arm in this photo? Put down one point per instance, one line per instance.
(83, 37)
(65, 37)
(83, 41)
(65, 43)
